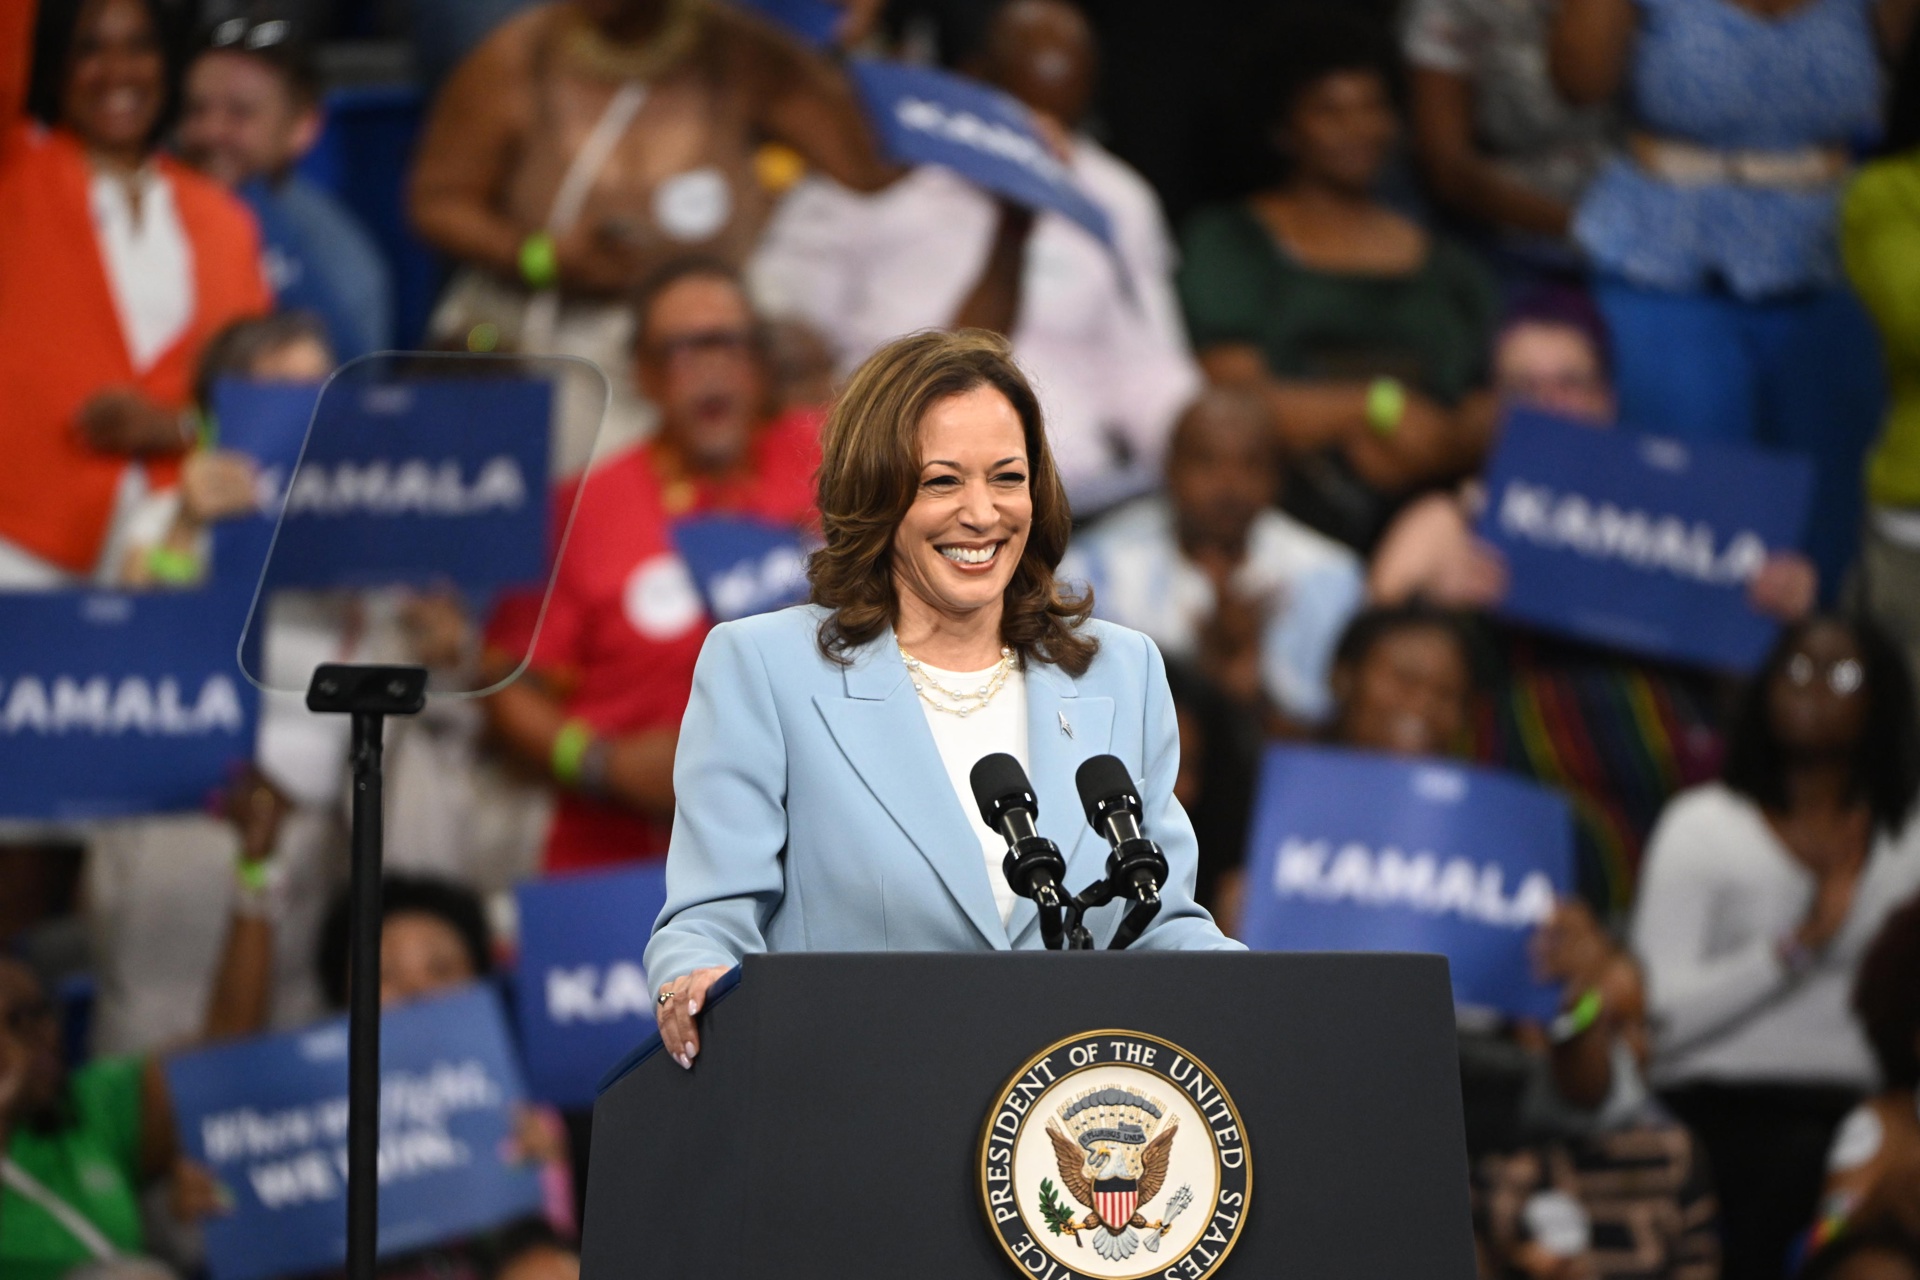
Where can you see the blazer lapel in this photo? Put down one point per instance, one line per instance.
(1063, 730)
(882, 731)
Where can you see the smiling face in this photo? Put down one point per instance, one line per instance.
(1041, 52)
(697, 360)
(116, 78)
(957, 547)
(240, 118)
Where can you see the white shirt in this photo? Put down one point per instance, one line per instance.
(1717, 893)
(1112, 369)
(962, 740)
(149, 262)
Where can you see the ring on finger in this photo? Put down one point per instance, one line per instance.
(662, 999)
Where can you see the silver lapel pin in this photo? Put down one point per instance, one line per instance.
(1064, 726)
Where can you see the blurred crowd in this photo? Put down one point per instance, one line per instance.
(1347, 239)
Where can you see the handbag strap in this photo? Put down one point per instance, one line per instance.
(31, 1188)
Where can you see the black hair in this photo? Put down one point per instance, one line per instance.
(1886, 759)
(1370, 627)
(690, 267)
(53, 38)
(230, 353)
(1274, 66)
(1310, 45)
(274, 40)
(1886, 997)
(454, 905)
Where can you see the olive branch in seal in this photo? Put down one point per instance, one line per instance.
(1059, 1217)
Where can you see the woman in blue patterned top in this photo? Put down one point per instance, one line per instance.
(1713, 236)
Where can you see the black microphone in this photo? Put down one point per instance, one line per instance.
(1034, 865)
(1136, 868)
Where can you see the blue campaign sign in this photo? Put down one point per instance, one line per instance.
(579, 989)
(268, 1117)
(1353, 851)
(267, 421)
(986, 136)
(115, 703)
(743, 566)
(413, 483)
(1641, 542)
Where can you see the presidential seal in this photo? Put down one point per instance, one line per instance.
(1112, 1156)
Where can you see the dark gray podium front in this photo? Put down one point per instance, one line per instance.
(833, 1123)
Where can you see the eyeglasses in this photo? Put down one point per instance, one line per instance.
(1844, 676)
(685, 346)
(245, 33)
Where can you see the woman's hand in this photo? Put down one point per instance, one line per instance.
(1835, 851)
(1785, 588)
(1572, 949)
(437, 628)
(123, 421)
(689, 995)
(538, 1138)
(194, 1194)
(256, 808)
(217, 484)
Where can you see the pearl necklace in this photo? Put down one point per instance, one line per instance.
(959, 702)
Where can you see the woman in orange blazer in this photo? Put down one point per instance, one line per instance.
(116, 266)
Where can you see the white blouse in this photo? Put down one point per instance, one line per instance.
(962, 740)
(1717, 893)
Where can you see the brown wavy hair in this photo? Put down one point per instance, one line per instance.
(870, 472)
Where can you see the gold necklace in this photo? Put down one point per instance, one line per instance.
(607, 59)
(959, 702)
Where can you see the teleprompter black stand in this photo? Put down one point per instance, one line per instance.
(831, 1125)
(369, 694)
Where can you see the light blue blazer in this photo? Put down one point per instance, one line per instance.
(814, 814)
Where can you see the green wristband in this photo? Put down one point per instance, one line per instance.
(175, 568)
(1578, 1020)
(255, 875)
(570, 748)
(539, 261)
(1386, 405)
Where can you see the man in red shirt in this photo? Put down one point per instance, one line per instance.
(612, 666)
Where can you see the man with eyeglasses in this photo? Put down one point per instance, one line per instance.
(612, 665)
(250, 112)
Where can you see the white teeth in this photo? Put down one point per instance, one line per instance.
(970, 555)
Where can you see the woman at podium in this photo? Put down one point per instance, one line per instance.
(822, 775)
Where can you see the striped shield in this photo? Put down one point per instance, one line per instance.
(1113, 1200)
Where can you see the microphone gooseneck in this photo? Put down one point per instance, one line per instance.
(1136, 867)
(1034, 865)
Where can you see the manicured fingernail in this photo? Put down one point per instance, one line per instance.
(693, 1050)
(684, 1064)
(693, 1006)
